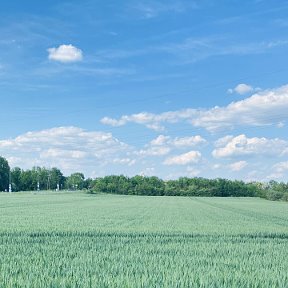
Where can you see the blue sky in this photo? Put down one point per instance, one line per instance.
(165, 88)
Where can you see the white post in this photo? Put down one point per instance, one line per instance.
(10, 185)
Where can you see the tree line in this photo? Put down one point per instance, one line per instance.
(41, 178)
(184, 186)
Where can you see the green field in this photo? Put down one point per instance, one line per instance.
(81, 240)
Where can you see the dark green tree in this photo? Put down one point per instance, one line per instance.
(75, 181)
(16, 179)
(56, 178)
(4, 174)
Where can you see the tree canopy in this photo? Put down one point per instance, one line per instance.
(41, 178)
(4, 174)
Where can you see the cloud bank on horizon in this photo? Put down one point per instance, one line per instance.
(146, 87)
(100, 153)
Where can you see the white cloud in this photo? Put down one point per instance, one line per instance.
(98, 153)
(280, 124)
(266, 108)
(74, 149)
(237, 166)
(59, 153)
(192, 171)
(216, 166)
(113, 122)
(126, 161)
(65, 54)
(184, 159)
(69, 148)
(261, 109)
(281, 167)
(160, 140)
(188, 141)
(242, 145)
(154, 151)
(149, 171)
(223, 141)
(178, 142)
(150, 120)
(163, 145)
(279, 170)
(274, 176)
(241, 89)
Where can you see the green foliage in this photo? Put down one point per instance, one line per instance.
(75, 181)
(28, 180)
(51, 179)
(276, 191)
(81, 240)
(16, 179)
(4, 174)
(139, 185)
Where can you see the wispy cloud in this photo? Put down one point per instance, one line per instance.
(282, 22)
(193, 49)
(56, 70)
(154, 8)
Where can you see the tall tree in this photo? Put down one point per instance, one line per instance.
(4, 174)
(56, 179)
(75, 181)
(16, 179)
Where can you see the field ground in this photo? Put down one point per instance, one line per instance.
(81, 240)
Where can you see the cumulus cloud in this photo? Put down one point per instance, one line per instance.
(163, 145)
(223, 141)
(261, 109)
(242, 145)
(184, 159)
(241, 89)
(264, 108)
(160, 140)
(69, 148)
(65, 54)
